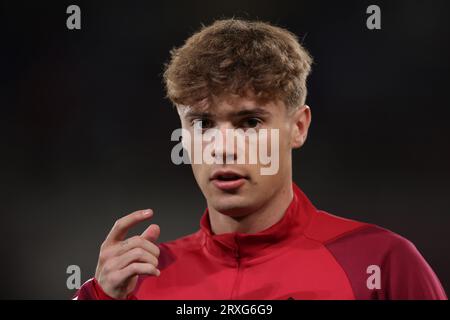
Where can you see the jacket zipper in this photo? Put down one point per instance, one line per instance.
(238, 273)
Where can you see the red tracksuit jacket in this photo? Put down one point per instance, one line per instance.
(308, 254)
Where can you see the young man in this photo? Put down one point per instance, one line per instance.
(260, 237)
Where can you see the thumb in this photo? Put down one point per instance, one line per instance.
(151, 233)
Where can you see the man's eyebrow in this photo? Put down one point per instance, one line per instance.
(197, 114)
(242, 113)
(252, 112)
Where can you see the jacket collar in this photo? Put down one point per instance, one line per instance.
(235, 245)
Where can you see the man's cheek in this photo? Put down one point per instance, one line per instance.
(203, 174)
(269, 153)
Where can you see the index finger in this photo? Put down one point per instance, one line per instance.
(121, 226)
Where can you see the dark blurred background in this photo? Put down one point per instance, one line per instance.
(85, 128)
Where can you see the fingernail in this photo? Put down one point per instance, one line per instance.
(146, 212)
(158, 272)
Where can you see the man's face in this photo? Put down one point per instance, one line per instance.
(237, 189)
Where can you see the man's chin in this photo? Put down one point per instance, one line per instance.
(231, 205)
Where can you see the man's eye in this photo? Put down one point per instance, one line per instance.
(201, 124)
(251, 122)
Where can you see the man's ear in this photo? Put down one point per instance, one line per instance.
(301, 120)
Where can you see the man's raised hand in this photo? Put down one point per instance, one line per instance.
(121, 260)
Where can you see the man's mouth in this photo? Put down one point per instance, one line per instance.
(228, 180)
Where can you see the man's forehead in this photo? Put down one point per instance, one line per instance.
(240, 105)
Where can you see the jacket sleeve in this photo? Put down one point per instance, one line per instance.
(409, 275)
(91, 290)
(403, 272)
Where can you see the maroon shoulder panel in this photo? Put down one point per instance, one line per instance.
(383, 265)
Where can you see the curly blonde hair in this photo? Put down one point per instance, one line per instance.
(232, 56)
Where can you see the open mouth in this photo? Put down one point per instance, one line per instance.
(228, 180)
(229, 177)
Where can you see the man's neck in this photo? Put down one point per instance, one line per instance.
(256, 221)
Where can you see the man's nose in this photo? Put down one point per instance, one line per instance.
(224, 148)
